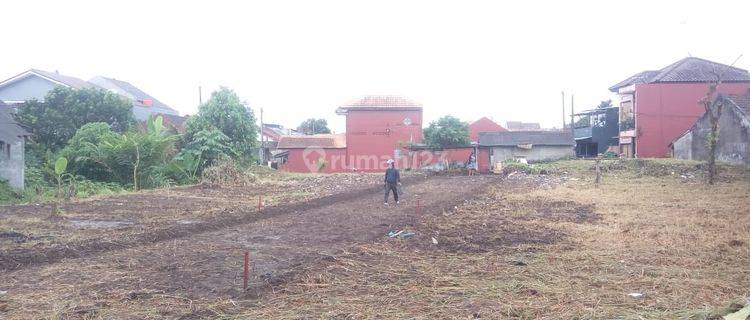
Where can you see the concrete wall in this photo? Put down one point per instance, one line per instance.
(536, 153)
(31, 87)
(664, 111)
(733, 143)
(12, 164)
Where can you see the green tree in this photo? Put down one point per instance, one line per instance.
(225, 112)
(54, 121)
(447, 132)
(314, 126)
(207, 147)
(605, 104)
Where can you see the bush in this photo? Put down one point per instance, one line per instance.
(82, 150)
(7, 194)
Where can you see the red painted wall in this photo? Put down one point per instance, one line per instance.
(483, 125)
(306, 160)
(372, 136)
(483, 160)
(664, 111)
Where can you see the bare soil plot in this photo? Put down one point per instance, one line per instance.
(32, 235)
(527, 247)
(206, 267)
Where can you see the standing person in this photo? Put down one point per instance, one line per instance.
(392, 180)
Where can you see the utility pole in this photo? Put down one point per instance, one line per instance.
(563, 109)
(200, 96)
(572, 112)
(261, 150)
(573, 123)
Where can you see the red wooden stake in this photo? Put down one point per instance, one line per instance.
(418, 208)
(246, 273)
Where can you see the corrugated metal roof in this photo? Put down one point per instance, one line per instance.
(515, 138)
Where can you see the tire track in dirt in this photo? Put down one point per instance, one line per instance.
(21, 258)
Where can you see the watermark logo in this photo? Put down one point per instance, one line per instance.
(323, 160)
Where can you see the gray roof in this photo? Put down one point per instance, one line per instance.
(514, 138)
(742, 102)
(10, 130)
(138, 94)
(640, 77)
(72, 82)
(689, 69)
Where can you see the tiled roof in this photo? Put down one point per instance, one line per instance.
(640, 77)
(515, 138)
(380, 103)
(335, 141)
(73, 82)
(742, 102)
(690, 69)
(138, 95)
(55, 77)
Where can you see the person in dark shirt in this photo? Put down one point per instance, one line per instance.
(392, 180)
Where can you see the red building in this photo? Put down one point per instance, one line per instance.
(378, 128)
(657, 106)
(484, 124)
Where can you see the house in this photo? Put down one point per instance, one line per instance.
(34, 84)
(484, 124)
(522, 126)
(144, 105)
(12, 144)
(378, 128)
(596, 131)
(532, 146)
(733, 145)
(657, 106)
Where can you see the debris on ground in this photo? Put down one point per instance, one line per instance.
(635, 295)
(434, 241)
(518, 263)
(403, 234)
(741, 314)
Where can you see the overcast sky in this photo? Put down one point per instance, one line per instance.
(300, 59)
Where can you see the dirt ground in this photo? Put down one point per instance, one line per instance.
(207, 265)
(31, 234)
(652, 241)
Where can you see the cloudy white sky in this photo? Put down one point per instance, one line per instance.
(300, 59)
